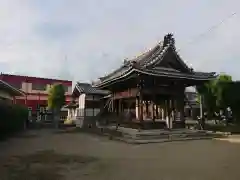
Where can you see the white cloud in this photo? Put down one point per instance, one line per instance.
(36, 35)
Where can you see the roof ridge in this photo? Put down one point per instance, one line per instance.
(56, 79)
(83, 83)
(158, 55)
(146, 55)
(166, 68)
(148, 52)
(10, 86)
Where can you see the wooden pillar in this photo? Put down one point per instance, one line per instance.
(137, 108)
(171, 112)
(112, 104)
(119, 106)
(153, 104)
(153, 113)
(165, 109)
(180, 107)
(141, 107)
(166, 112)
(157, 111)
(162, 110)
(147, 108)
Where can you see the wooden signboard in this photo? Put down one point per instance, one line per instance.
(125, 94)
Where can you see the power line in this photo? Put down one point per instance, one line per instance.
(209, 30)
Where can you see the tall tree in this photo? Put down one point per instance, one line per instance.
(231, 94)
(214, 93)
(56, 99)
(220, 90)
(206, 91)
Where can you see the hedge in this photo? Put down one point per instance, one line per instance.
(12, 118)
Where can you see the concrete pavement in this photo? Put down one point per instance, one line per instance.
(231, 139)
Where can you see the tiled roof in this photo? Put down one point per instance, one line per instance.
(12, 90)
(146, 62)
(168, 73)
(87, 88)
(71, 105)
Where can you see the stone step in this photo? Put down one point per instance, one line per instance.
(146, 137)
(155, 136)
(147, 133)
(144, 141)
(166, 137)
(171, 136)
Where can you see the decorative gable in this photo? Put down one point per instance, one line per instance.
(161, 61)
(172, 60)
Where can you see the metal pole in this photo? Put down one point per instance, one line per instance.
(201, 108)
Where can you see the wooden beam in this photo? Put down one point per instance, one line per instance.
(161, 90)
(125, 94)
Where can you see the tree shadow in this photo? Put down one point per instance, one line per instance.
(43, 165)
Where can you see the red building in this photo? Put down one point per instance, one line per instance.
(35, 89)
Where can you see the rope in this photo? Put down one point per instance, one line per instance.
(209, 30)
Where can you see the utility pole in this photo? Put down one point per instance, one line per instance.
(201, 107)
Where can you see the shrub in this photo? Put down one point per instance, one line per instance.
(12, 118)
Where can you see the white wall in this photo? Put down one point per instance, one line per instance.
(27, 87)
(81, 105)
(82, 101)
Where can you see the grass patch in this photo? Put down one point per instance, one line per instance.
(43, 165)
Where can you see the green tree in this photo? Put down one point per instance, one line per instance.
(215, 94)
(56, 99)
(220, 90)
(206, 91)
(231, 94)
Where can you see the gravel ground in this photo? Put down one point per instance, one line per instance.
(189, 160)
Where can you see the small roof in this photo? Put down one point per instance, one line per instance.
(107, 96)
(86, 88)
(10, 89)
(71, 105)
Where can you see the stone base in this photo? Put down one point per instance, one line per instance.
(148, 125)
(134, 136)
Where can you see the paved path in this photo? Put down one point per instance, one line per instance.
(190, 160)
(231, 139)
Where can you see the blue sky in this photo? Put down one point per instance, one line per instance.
(82, 40)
